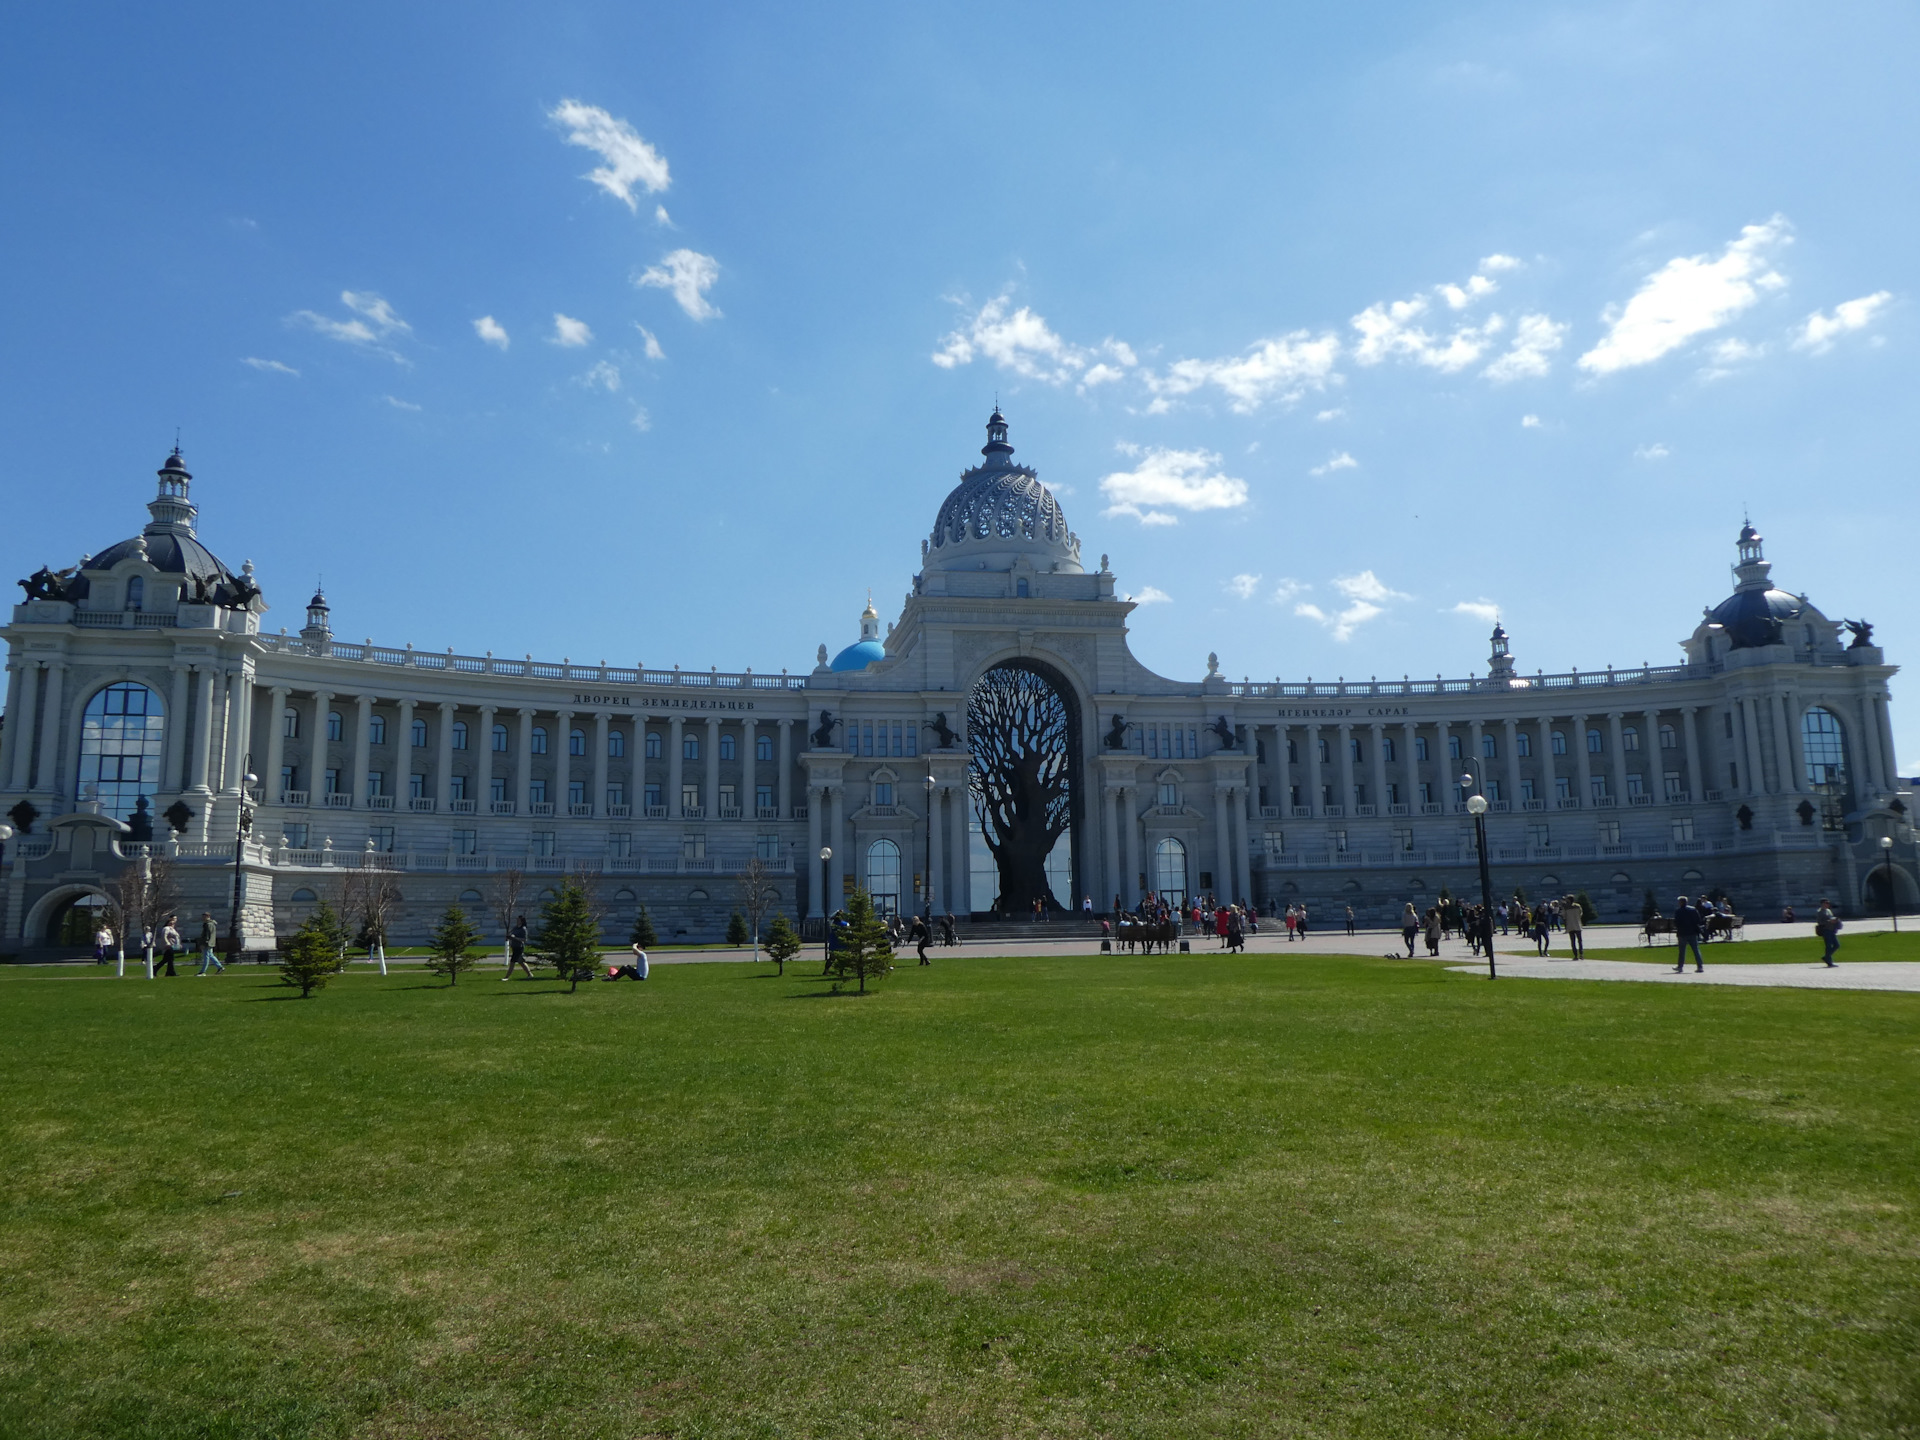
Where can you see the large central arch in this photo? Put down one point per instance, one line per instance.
(1023, 777)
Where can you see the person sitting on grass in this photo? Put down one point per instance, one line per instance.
(635, 969)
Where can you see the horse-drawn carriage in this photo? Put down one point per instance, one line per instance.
(1145, 934)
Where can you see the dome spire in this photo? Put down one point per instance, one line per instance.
(996, 449)
(1753, 568)
(173, 513)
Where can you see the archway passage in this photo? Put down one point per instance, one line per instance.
(1024, 733)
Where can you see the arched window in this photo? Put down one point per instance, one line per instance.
(1359, 755)
(616, 744)
(500, 739)
(1825, 744)
(471, 897)
(459, 734)
(376, 729)
(1666, 737)
(653, 745)
(539, 739)
(290, 723)
(419, 734)
(1594, 743)
(1489, 748)
(1170, 871)
(726, 747)
(336, 728)
(1630, 739)
(576, 742)
(136, 592)
(120, 743)
(883, 876)
(1559, 742)
(763, 748)
(303, 896)
(1523, 745)
(689, 747)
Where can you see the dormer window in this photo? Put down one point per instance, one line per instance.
(883, 792)
(1020, 588)
(136, 593)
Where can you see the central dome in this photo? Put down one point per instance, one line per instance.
(999, 513)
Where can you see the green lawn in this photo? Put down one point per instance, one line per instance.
(1207, 1196)
(1855, 947)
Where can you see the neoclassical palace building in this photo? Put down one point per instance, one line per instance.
(998, 743)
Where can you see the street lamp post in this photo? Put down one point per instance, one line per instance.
(826, 915)
(1893, 909)
(926, 886)
(6, 834)
(1477, 807)
(243, 826)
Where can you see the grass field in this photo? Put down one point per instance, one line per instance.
(1208, 1196)
(1856, 947)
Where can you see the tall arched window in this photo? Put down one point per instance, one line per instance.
(290, 724)
(1170, 871)
(376, 729)
(1559, 742)
(763, 747)
(726, 747)
(121, 739)
(1594, 743)
(419, 734)
(136, 593)
(616, 744)
(1825, 744)
(539, 746)
(576, 742)
(459, 735)
(500, 739)
(883, 876)
(1630, 738)
(1489, 748)
(1523, 745)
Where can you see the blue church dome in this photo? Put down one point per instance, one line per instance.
(867, 649)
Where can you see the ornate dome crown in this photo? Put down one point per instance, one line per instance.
(999, 512)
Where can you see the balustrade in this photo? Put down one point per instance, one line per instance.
(337, 800)
(540, 807)
(293, 797)
(500, 807)
(379, 802)
(581, 811)
(420, 804)
(461, 807)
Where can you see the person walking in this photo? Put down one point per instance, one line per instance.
(1574, 917)
(922, 933)
(1686, 931)
(1293, 922)
(170, 943)
(1409, 926)
(207, 939)
(1433, 931)
(1826, 925)
(102, 944)
(1236, 931)
(1302, 925)
(1220, 925)
(517, 949)
(1350, 929)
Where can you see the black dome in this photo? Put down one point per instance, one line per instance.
(1753, 618)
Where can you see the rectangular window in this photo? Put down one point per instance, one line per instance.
(542, 843)
(726, 747)
(654, 744)
(1293, 753)
(577, 742)
(1403, 839)
(1193, 744)
(913, 741)
(1353, 745)
(1727, 716)
(1326, 752)
(499, 739)
(1733, 776)
(1459, 793)
(1599, 787)
(1538, 837)
(1339, 840)
(377, 729)
(728, 800)
(288, 776)
(1359, 794)
(1276, 842)
(767, 847)
(1453, 748)
(653, 797)
(1393, 792)
(898, 739)
(466, 842)
(1169, 794)
(1386, 748)
(1594, 743)
(1426, 792)
(1152, 742)
(537, 792)
(1492, 790)
(866, 738)
(882, 792)
(1609, 832)
(689, 797)
(576, 792)
(1672, 779)
(1326, 794)
(376, 782)
(417, 787)
(693, 846)
(1179, 744)
(382, 838)
(497, 789)
(458, 783)
(616, 792)
(763, 797)
(1636, 785)
(419, 730)
(620, 844)
(1683, 827)
(1293, 794)
(1419, 747)
(294, 836)
(1666, 737)
(1526, 790)
(1563, 787)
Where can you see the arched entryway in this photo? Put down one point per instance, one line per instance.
(1023, 783)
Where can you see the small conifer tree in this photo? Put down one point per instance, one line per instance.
(737, 929)
(1588, 914)
(783, 941)
(1649, 908)
(313, 956)
(453, 942)
(644, 935)
(864, 949)
(569, 936)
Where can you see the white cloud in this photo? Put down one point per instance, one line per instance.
(1174, 479)
(1655, 451)
(660, 216)
(375, 321)
(1529, 422)
(1390, 329)
(1494, 264)
(1479, 609)
(1023, 342)
(376, 310)
(1340, 461)
(1287, 589)
(1243, 586)
(641, 420)
(603, 376)
(1688, 296)
(348, 332)
(630, 160)
(1367, 597)
(654, 352)
(1330, 414)
(1282, 369)
(1818, 333)
(569, 333)
(492, 332)
(272, 366)
(687, 275)
(1535, 337)
(1458, 297)
(1152, 595)
(400, 404)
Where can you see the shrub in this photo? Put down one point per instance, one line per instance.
(569, 935)
(312, 956)
(453, 942)
(863, 949)
(737, 929)
(783, 941)
(643, 934)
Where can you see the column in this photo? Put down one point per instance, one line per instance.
(674, 746)
(1410, 737)
(53, 726)
(815, 796)
(1116, 861)
(1550, 780)
(1313, 771)
(523, 779)
(1654, 757)
(598, 799)
(443, 770)
(1284, 769)
(20, 725)
(1346, 769)
(783, 778)
(962, 892)
(1443, 760)
(403, 757)
(1614, 718)
(483, 781)
(710, 795)
(202, 732)
(1584, 757)
(239, 712)
(936, 846)
(1690, 734)
(1222, 843)
(362, 749)
(276, 742)
(1889, 762)
(1750, 738)
(1133, 890)
(1796, 743)
(1242, 859)
(837, 832)
(749, 772)
(1513, 762)
(1867, 751)
(317, 747)
(1783, 748)
(174, 758)
(1475, 744)
(1379, 767)
(562, 752)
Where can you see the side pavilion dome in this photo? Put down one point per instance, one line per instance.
(169, 544)
(998, 514)
(867, 649)
(1756, 613)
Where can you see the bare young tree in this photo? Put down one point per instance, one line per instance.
(757, 895)
(504, 895)
(144, 894)
(368, 899)
(1020, 735)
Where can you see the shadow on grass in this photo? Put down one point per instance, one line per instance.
(523, 994)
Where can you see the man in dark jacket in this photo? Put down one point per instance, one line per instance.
(517, 949)
(1686, 930)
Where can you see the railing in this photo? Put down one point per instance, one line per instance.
(540, 807)
(461, 807)
(655, 812)
(1169, 810)
(1332, 812)
(1639, 799)
(379, 802)
(1679, 797)
(1540, 680)
(1603, 802)
(489, 664)
(420, 804)
(766, 812)
(500, 807)
(693, 812)
(619, 812)
(1533, 804)
(580, 809)
(1399, 810)
(337, 800)
(732, 812)
(1714, 797)
(293, 797)
(1500, 807)
(799, 812)
(1303, 812)
(1269, 812)
(1567, 802)
(1432, 807)
(1332, 859)
(1366, 811)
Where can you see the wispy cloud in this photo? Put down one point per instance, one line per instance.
(1166, 480)
(1482, 609)
(1654, 451)
(397, 403)
(660, 216)
(630, 160)
(687, 275)
(653, 350)
(1367, 597)
(1338, 461)
(569, 333)
(603, 376)
(1152, 595)
(492, 332)
(1535, 338)
(1329, 414)
(271, 366)
(1280, 370)
(641, 420)
(1395, 330)
(373, 324)
(1820, 331)
(1690, 295)
(1288, 588)
(1242, 586)
(1529, 422)
(1023, 342)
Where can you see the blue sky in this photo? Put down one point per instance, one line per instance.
(1334, 326)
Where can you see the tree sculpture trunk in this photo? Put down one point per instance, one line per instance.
(1020, 733)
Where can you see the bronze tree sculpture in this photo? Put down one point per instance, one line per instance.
(1021, 738)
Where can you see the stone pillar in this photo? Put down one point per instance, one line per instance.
(1865, 756)
(1443, 760)
(749, 772)
(239, 724)
(1222, 842)
(21, 719)
(173, 760)
(483, 781)
(1783, 748)
(562, 752)
(1548, 778)
(14, 711)
(276, 742)
(1654, 757)
(1346, 769)
(1410, 737)
(1889, 762)
(403, 757)
(1513, 762)
(1584, 758)
(1133, 890)
(1796, 743)
(1690, 735)
(674, 733)
(1619, 757)
(1475, 742)
(202, 731)
(710, 793)
(317, 747)
(815, 798)
(443, 768)
(523, 777)
(1314, 798)
(1380, 767)
(1116, 860)
(783, 776)
(1242, 859)
(53, 728)
(362, 749)
(598, 799)
(837, 831)
(1282, 768)
(936, 850)
(1750, 738)
(961, 894)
